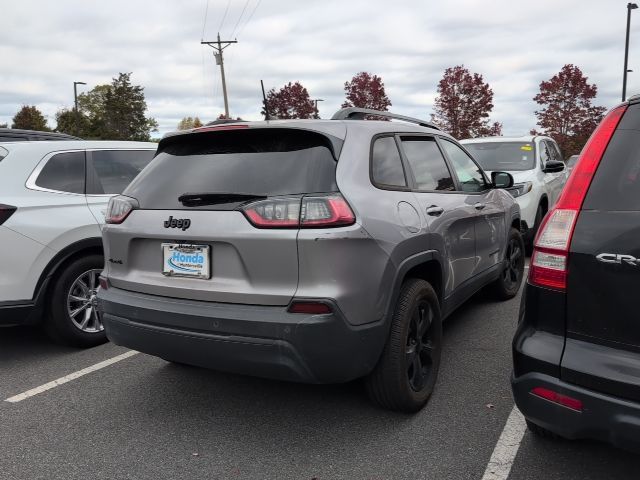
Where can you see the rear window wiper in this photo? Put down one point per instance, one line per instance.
(209, 198)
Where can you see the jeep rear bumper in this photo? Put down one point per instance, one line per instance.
(264, 341)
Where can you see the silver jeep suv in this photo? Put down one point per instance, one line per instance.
(308, 250)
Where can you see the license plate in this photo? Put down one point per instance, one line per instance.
(180, 260)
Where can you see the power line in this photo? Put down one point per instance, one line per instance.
(206, 10)
(250, 17)
(239, 18)
(225, 15)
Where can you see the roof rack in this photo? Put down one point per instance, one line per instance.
(355, 113)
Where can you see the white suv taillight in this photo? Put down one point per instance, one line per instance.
(550, 258)
(119, 209)
(317, 211)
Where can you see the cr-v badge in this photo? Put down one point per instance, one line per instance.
(182, 223)
(617, 258)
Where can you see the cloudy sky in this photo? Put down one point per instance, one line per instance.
(45, 46)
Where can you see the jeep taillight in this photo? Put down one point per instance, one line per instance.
(5, 212)
(313, 211)
(119, 209)
(550, 257)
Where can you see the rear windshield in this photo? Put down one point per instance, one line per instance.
(261, 162)
(503, 156)
(616, 184)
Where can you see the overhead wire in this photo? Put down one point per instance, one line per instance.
(206, 10)
(250, 17)
(224, 16)
(239, 18)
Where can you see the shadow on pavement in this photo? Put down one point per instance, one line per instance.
(27, 343)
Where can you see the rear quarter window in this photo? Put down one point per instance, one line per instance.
(64, 172)
(386, 164)
(616, 183)
(112, 170)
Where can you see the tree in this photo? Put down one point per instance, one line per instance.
(30, 118)
(366, 91)
(116, 111)
(568, 115)
(222, 116)
(3, 125)
(124, 111)
(463, 104)
(291, 101)
(187, 123)
(66, 123)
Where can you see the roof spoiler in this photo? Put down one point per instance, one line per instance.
(355, 113)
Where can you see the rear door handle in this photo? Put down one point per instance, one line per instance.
(479, 206)
(434, 210)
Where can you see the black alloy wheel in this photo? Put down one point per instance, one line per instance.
(420, 349)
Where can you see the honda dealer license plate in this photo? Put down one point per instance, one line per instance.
(182, 260)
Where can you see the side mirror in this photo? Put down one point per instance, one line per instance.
(553, 166)
(501, 180)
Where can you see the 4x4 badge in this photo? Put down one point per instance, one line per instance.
(182, 223)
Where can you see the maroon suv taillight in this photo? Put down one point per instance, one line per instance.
(5, 212)
(314, 211)
(550, 257)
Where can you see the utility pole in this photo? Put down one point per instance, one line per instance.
(630, 6)
(218, 46)
(75, 101)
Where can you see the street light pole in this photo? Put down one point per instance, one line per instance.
(75, 102)
(316, 102)
(630, 6)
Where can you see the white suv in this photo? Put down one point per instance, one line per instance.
(536, 165)
(53, 197)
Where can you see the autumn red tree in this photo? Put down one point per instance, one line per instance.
(463, 105)
(366, 91)
(567, 113)
(291, 101)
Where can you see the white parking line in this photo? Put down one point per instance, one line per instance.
(68, 378)
(507, 447)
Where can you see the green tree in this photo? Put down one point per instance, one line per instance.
(111, 112)
(124, 111)
(30, 118)
(66, 123)
(187, 123)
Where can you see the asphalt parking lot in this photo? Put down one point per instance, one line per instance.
(143, 418)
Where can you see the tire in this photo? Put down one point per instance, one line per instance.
(61, 326)
(507, 285)
(541, 432)
(395, 383)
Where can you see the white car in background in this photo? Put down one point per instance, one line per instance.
(53, 197)
(537, 168)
